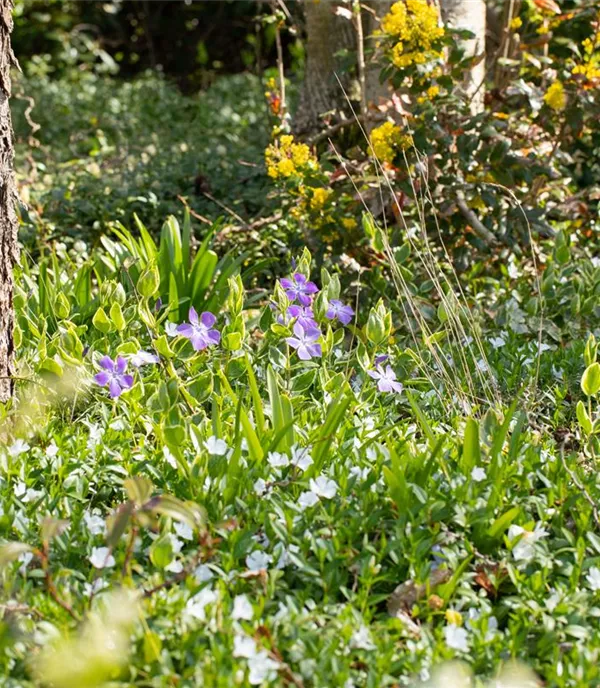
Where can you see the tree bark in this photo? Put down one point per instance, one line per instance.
(8, 217)
(470, 15)
(326, 35)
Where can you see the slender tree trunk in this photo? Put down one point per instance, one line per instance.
(8, 218)
(326, 35)
(470, 15)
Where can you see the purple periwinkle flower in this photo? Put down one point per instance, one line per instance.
(200, 330)
(340, 311)
(380, 358)
(386, 379)
(299, 288)
(113, 376)
(302, 315)
(304, 341)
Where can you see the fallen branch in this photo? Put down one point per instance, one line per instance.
(474, 222)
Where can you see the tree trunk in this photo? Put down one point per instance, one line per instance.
(470, 15)
(326, 35)
(8, 218)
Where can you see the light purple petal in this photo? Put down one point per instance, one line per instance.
(214, 336)
(126, 381)
(345, 315)
(287, 283)
(385, 385)
(311, 288)
(389, 373)
(102, 378)
(298, 330)
(375, 374)
(304, 299)
(331, 313)
(208, 319)
(107, 363)
(294, 311)
(312, 333)
(314, 350)
(193, 316)
(304, 353)
(293, 342)
(397, 386)
(185, 330)
(199, 341)
(114, 388)
(299, 278)
(121, 365)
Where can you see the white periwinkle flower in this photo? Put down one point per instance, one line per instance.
(242, 608)
(277, 460)
(17, 448)
(524, 549)
(478, 474)
(456, 638)
(307, 499)
(195, 606)
(301, 457)
(94, 522)
(184, 531)
(593, 578)
(244, 646)
(216, 446)
(101, 558)
(323, 487)
(361, 639)
(261, 668)
(258, 561)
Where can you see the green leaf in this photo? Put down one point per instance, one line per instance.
(116, 315)
(139, 489)
(152, 647)
(167, 505)
(101, 322)
(583, 418)
(335, 415)
(471, 453)
(503, 522)
(590, 382)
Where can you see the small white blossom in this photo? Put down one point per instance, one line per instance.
(171, 329)
(478, 474)
(361, 639)
(257, 560)
(17, 448)
(143, 358)
(456, 638)
(51, 450)
(524, 549)
(323, 487)
(260, 487)
(196, 604)
(593, 578)
(24, 558)
(174, 566)
(301, 457)
(307, 499)
(242, 609)
(101, 558)
(184, 531)
(202, 574)
(216, 446)
(94, 522)
(261, 668)
(277, 460)
(244, 646)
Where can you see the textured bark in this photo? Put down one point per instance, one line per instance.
(326, 35)
(470, 15)
(8, 218)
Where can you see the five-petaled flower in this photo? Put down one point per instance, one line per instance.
(386, 379)
(305, 342)
(114, 376)
(302, 315)
(299, 288)
(200, 330)
(340, 311)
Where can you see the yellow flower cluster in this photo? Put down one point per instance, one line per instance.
(387, 140)
(285, 158)
(415, 26)
(516, 23)
(555, 97)
(319, 199)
